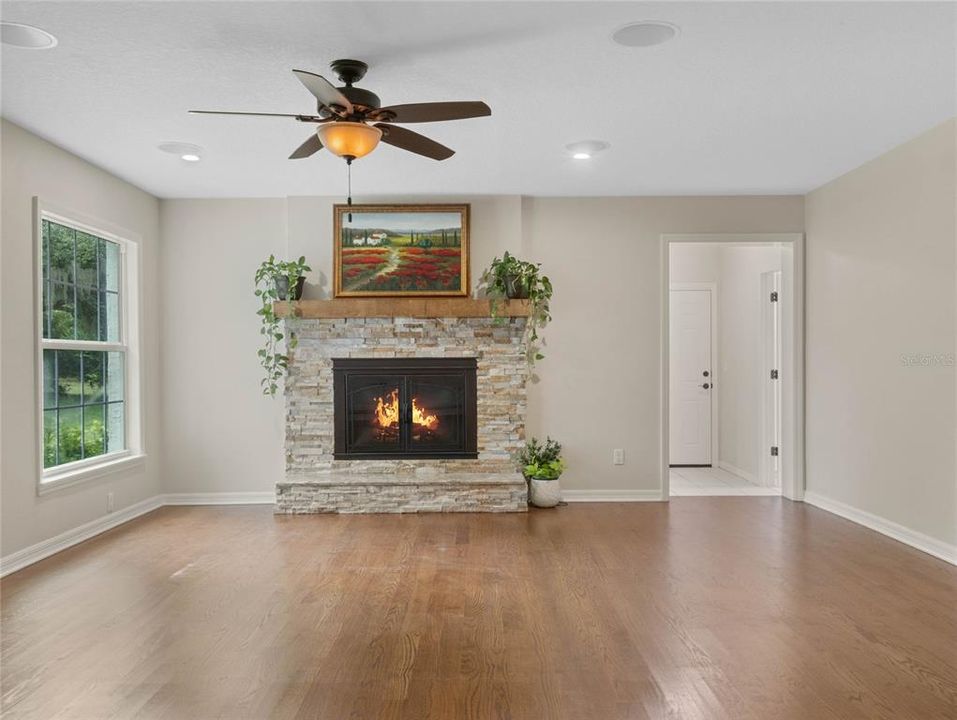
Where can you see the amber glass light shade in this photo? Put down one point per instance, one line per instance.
(349, 139)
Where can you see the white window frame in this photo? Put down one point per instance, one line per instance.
(134, 455)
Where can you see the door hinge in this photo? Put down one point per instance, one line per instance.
(774, 296)
(774, 374)
(774, 451)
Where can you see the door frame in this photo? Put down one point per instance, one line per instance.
(792, 412)
(712, 288)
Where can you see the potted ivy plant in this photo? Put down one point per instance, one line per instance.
(274, 280)
(509, 278)
(542, 466)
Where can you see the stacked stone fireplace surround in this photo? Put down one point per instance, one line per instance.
(316, 482)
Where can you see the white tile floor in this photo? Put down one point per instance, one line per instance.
(713, 481)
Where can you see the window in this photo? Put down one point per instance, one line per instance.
(87, 398)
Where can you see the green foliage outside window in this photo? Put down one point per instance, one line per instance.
(83, 390)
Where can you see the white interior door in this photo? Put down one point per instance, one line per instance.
(690, 377)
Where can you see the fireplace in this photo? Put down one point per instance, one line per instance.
(407, 408)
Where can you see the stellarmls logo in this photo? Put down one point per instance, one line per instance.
(928, 360)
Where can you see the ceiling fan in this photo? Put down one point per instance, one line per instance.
(351, 121)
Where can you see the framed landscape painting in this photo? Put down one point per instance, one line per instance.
(401, 250)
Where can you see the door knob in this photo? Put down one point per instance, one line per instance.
(706, 386)
(706, 373)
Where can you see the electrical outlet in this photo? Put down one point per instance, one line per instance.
(109, 502)
(618, 456)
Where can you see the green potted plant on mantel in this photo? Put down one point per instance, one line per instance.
(542, 466)
(509, 278)
(274, 279)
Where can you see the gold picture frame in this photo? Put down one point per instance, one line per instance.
(404, 250)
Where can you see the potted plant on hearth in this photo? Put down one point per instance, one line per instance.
(277, 280)
(542, 465)
(509, 278)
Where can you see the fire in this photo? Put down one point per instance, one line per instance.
(387, 412)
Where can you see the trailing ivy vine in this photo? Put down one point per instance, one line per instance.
(277, 281)
(510, 278)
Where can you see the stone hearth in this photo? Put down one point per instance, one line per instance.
(317, 482)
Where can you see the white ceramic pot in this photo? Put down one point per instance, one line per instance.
(545, 493)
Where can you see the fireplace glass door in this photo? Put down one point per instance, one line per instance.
(438, 411)
(374, 417)
(405, 408)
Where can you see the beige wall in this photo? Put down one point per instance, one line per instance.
(880, 291)
(220, 433)
(32, 167)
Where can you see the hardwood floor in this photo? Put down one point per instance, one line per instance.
(705, 608)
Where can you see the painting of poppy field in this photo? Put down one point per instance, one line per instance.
(390, 250)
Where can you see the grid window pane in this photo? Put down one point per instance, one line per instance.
(63, 319)
(87, 322)
(49, 438)
(49, 379)
(45, 251)
(70, 436)
(115, 376)
(109, 316)
(62, 244)
(115, 426)
(68, 386)
(93, 377)
(94, 430)
(87, 247)
(45, 323)
(111, 275)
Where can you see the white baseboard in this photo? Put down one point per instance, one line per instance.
(611, 495)
(45, 548)
(728, 467)
(230, 498)
(891, 529)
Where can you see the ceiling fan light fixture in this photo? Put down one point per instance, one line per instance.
(349, 139)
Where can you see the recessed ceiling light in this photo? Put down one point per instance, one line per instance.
(586, 149)
(186, 151)
(26, 36)
(646, 33)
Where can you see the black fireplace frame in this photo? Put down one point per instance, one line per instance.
(344, 369)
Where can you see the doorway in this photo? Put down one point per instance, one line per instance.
(732, 365)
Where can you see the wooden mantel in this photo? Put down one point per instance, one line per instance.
(424, 307)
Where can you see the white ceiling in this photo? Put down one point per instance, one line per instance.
(751, 98)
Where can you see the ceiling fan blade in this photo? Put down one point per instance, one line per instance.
(325, 92)
(230, 112)
(312, 145)
(434, 112)
(413, 142)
